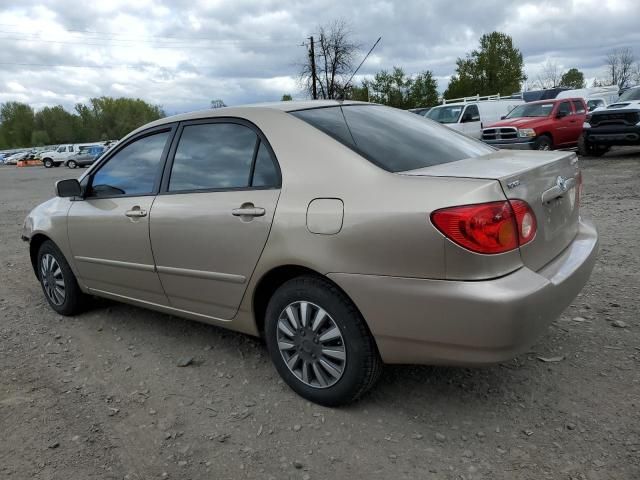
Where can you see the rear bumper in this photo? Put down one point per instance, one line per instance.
(613, 135)
(470, 323)
(515, 144)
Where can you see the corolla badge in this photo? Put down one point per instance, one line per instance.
(562, 183)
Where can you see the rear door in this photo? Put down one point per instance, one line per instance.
(212, 218)
(579, 114)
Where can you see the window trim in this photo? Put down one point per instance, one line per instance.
(261, 138)
(170, 128)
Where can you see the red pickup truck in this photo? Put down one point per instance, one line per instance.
(542, 125)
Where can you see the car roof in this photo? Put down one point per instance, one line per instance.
(556, 100)
(241, 110)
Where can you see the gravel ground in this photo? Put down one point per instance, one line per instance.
(102, 396)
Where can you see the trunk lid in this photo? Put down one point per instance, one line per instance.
(547, 181)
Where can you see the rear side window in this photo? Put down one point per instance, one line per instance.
(578, 107)
(213, 156)
(393, 139)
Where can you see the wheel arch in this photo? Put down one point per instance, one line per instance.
(34, 247)
(274, 279)
(547, 133)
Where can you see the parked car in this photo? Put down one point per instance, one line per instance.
(420, 111)
(85, 156)
(544, 94)
(469, 115)
(617, 124)
(346, 234)
(16, 157)
(543, 125)
(59, 156)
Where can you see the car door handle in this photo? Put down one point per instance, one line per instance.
(248, 212)
(136, 212)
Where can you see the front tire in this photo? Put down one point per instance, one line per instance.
(319, 342)
(72, 164)
(544, 143)
(58, 282)
(48, 163)
(588, 149)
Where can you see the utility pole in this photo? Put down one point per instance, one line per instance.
(312, 59)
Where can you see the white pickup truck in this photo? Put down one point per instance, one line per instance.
(55, 158)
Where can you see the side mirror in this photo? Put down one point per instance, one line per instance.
(503, 117)
(68, 188)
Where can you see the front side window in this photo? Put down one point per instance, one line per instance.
(446, 114)
(393, 139)
(71, 148)
(62, 149)
(134, 170)
(564, 109)
(593, 104)
(213, 156)
(471, 114)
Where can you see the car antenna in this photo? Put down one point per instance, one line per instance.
(346, 85)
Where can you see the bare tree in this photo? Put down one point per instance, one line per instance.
(620, 67)
(335, 54)
(550, 75)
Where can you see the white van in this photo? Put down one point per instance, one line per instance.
(469, 115)
(594, 96)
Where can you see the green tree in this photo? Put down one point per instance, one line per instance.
(390, 88)
(16, 124)
(286, 98)
(573, 78)
(58, 124)
(423, 91)
(495, 67)
(360, 94)
(39, 138)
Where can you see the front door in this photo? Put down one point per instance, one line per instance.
(109, 229)
(470, 120)
(212, 218)
(563, 124)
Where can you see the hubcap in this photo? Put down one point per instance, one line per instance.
(52, 279)
(311, 344)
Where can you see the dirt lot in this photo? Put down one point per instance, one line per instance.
(101, 395)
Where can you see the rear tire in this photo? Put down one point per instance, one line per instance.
(72, 164)
(544, 143)
(331, 372)
(48, 163)
(59, 284)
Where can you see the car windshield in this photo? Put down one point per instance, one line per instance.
(531, 110)
(446, 114)
(393, 139)
(631, 94)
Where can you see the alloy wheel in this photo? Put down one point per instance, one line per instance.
(311, 344)
(52, 279)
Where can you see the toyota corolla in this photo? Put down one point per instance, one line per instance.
(347, 235)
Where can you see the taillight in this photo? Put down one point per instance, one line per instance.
(494, 227)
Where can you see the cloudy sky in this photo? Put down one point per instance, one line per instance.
(181, 54)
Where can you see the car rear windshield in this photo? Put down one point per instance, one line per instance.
(393, 139)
